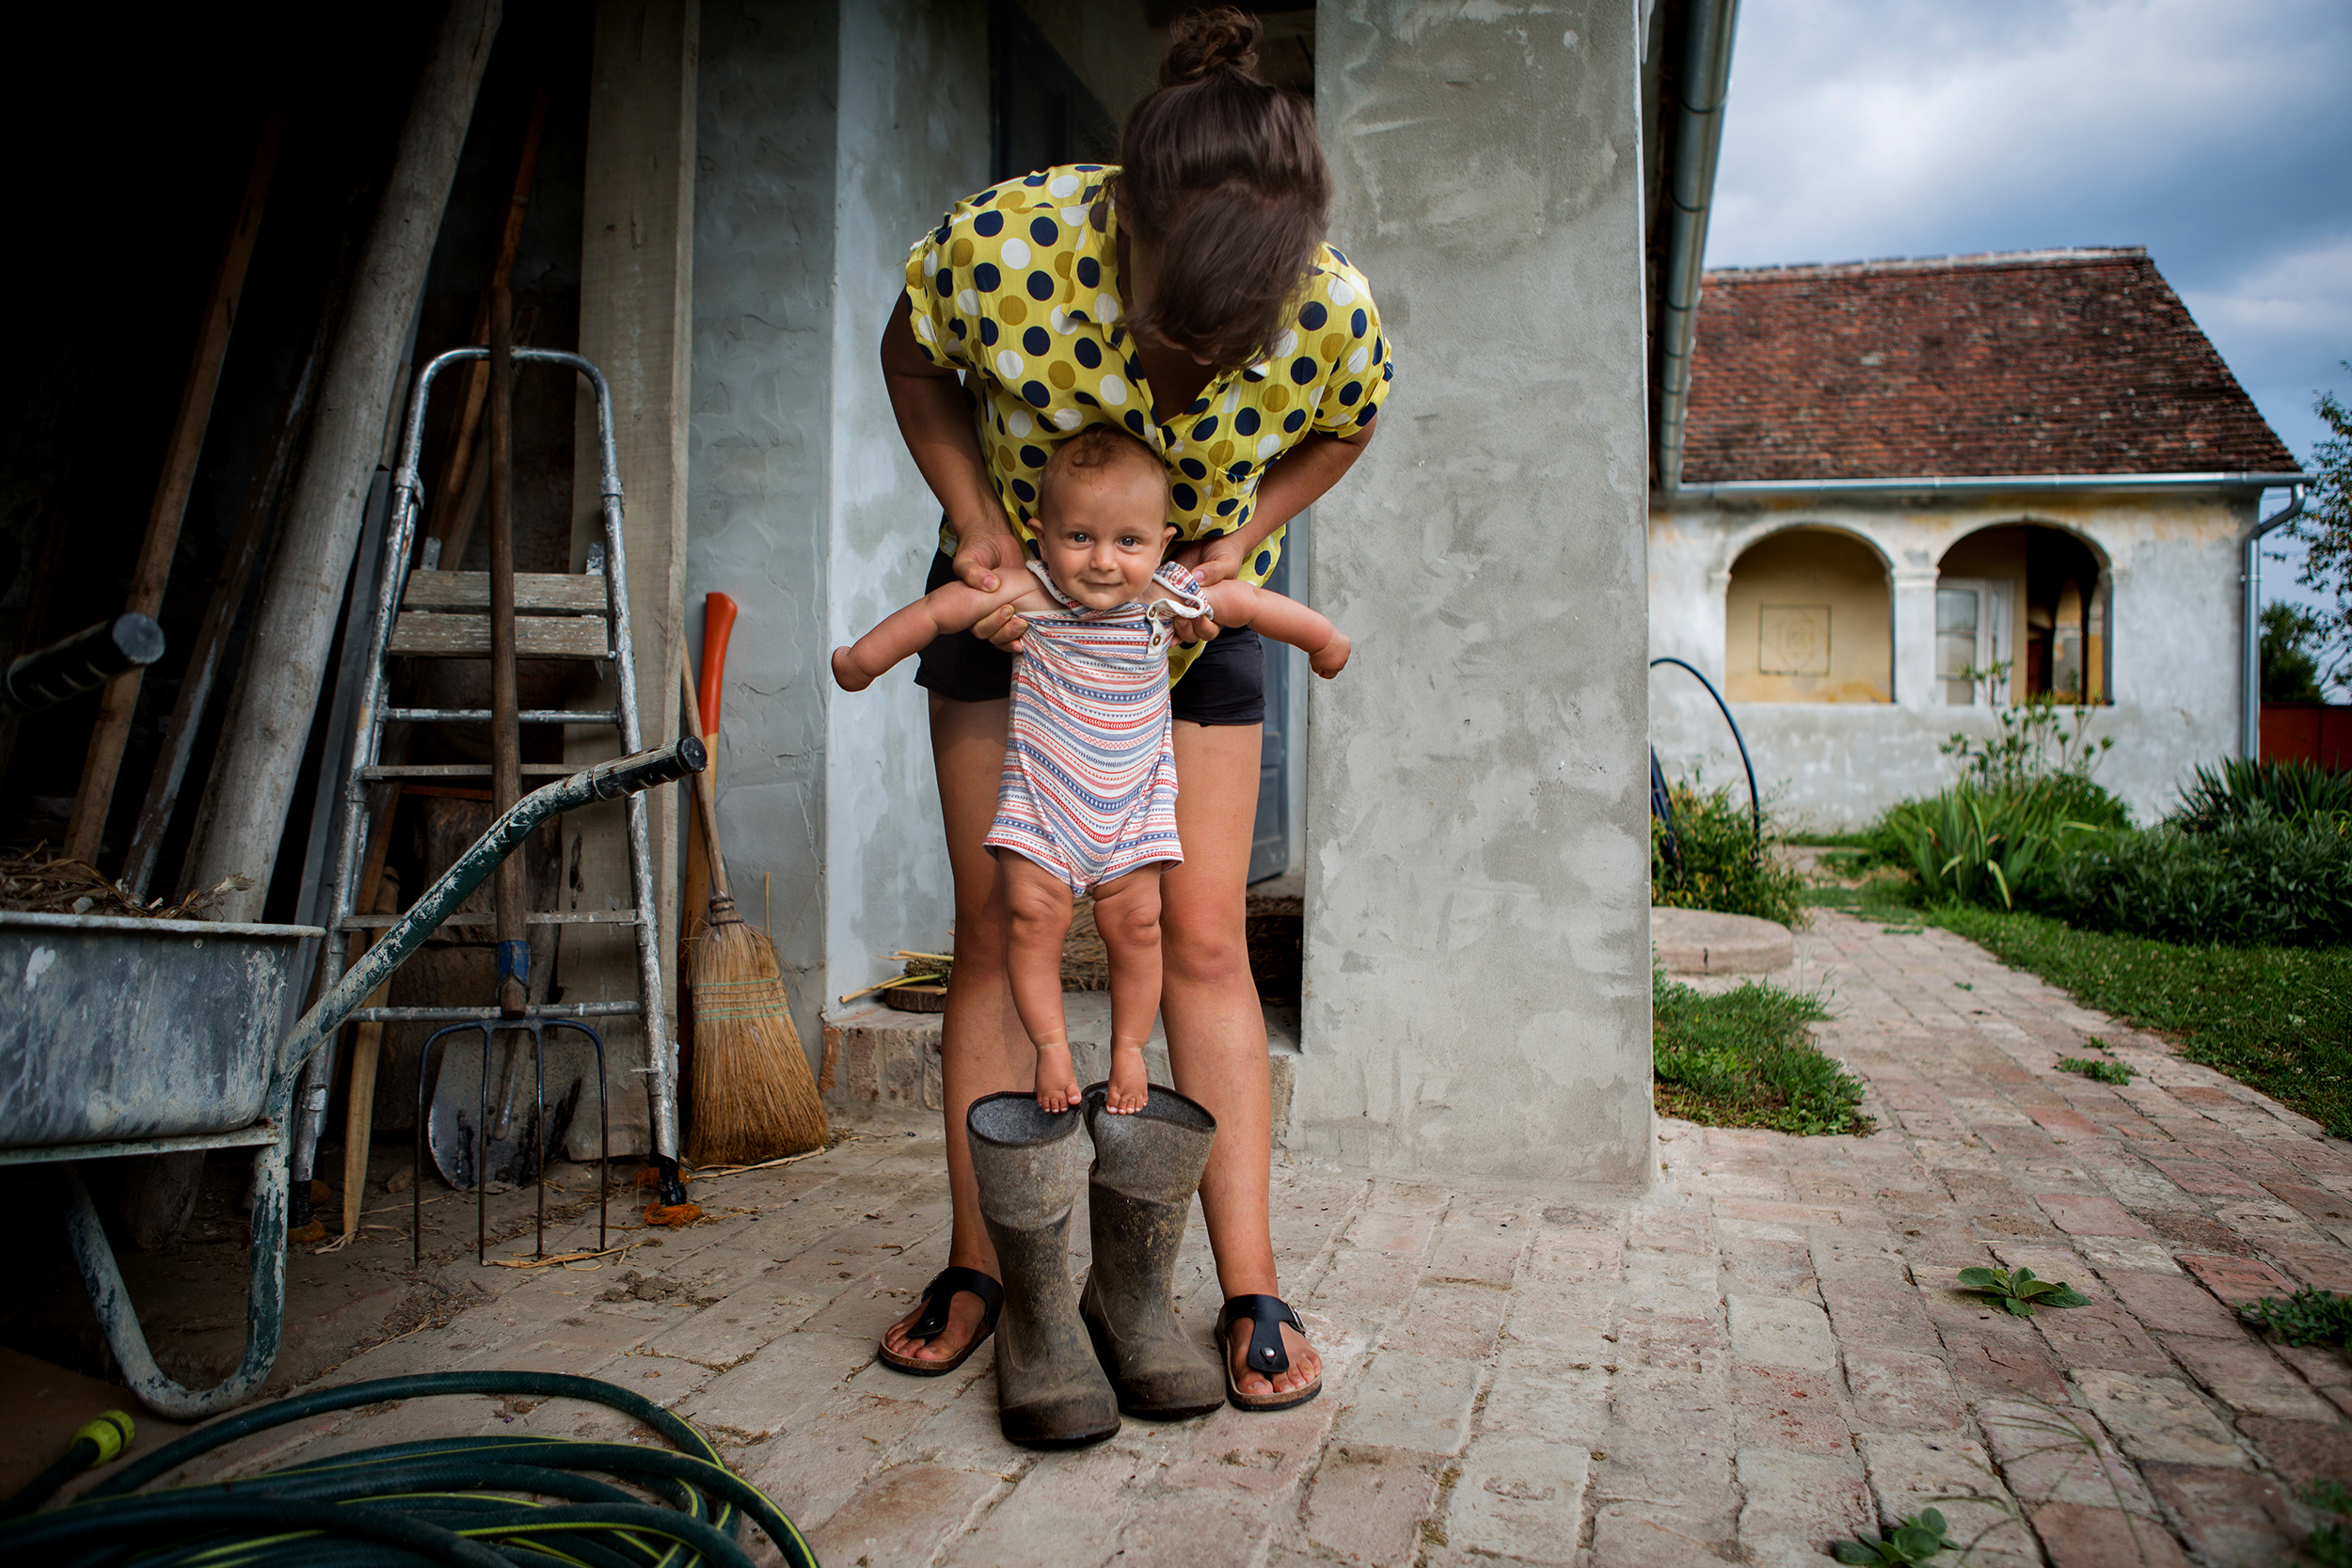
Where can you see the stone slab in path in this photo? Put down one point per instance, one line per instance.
(1704, 942)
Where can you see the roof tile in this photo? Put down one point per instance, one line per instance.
(2036, 362)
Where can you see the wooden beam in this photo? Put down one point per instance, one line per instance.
(120, 699)
(268, 719)
(636, 288)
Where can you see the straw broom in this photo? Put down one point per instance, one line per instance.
(754, 1099)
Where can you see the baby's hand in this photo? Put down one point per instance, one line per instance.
(847, 674)
(1331, 658)
(1056, 1083)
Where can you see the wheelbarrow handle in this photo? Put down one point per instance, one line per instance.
(83, 663)
(606, 781)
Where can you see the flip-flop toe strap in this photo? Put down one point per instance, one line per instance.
(1266, 1315)
(941, 1292)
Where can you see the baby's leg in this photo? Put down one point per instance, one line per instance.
(1127, 912)
(1036, 917)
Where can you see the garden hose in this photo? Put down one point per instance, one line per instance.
(98, 1443)
(470, 1502)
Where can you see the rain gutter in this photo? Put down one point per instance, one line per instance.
(1698, 141)
(2249, 575)
(1800, 489)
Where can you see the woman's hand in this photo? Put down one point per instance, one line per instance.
(985, 557)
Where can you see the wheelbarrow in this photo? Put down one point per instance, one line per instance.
(123, 1036)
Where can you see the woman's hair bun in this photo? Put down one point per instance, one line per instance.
(1203, 41)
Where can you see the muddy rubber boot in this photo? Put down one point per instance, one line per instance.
(1147, 1166)
(1029, 1164)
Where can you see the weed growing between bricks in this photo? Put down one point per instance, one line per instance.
(2306, 1317)
(1744, 1059)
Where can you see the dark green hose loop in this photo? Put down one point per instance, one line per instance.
(458, 1501)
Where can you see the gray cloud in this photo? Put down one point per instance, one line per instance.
(2216, 132)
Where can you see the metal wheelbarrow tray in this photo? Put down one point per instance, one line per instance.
(124, 1037)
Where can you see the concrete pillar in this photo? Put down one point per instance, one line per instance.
(637, 250)
(1915, 686)
(1478, 972)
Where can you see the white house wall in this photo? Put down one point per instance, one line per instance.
(2174, 635)
(830, 136)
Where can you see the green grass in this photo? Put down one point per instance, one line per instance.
(2277, 1018)
(2104, 1072)
(1744, 1059)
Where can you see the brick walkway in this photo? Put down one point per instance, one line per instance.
(1761, 1356)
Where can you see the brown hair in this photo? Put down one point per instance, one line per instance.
(1222, 175)
(1098, 447)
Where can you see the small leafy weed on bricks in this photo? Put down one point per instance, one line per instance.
(2020, 1292)
(1915, 1540)
(2099, 1072)
(2307, 1316)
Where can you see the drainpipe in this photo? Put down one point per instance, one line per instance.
(2251, 734)
(1698, 139)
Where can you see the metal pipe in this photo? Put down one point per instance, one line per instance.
(2249, 577)
(1738, 489)
(1698, 141)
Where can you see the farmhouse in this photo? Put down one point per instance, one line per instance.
(1896, 473)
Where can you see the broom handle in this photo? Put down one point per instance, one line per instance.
(706, 798)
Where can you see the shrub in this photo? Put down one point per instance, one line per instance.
(1718, 863)
(2029, 742)
(2257, 879)
(2240, 787)
(1984, 847)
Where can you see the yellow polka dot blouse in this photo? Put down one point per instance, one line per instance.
(1017, 285)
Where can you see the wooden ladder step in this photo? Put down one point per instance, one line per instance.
(536, 917)
(424, 635)
(563, 592)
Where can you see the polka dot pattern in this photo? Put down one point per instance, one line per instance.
(1019, 285)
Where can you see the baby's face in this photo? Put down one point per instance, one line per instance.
(1105, 534)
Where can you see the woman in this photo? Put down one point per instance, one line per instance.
(1185, 295)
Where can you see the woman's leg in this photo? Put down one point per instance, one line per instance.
(1038, 905)
(982, 1048)
(1127, 914)
(1216, 1031)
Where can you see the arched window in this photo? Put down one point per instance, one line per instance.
(1809, 618)
(2028, 595)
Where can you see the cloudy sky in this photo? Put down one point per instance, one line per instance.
(2216, 132)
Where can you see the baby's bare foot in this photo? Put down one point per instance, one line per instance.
(1130, 1081)
(1057, 1081)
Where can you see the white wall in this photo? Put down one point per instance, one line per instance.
(831, 135)
(2175, 635)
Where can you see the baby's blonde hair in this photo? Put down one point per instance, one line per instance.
(1099, 446)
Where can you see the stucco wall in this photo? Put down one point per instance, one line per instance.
(2173, 564)
(1808, 591)
(1477, 949)
(820, 162)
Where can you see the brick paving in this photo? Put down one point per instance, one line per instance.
(1760, 1356)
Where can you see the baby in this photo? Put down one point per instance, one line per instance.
(1088, 803)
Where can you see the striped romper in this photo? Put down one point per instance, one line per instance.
(1089, 784)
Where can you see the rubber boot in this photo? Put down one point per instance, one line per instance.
(1147, 1166)
(1029, 1164)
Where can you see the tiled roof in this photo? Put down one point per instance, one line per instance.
(2035, 362)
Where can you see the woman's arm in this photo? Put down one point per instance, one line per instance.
(904, 633)
(1293, 483)
(1284, 619)
(936, 425)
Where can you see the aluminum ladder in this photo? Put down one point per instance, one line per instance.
(427, 612)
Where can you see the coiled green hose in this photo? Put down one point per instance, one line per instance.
(469, 1502)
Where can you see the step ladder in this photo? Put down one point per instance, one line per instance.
(429, 613)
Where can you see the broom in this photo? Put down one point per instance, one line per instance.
(754, 1099)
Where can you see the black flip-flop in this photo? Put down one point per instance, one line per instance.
(1266, 1315)
(945, 1286)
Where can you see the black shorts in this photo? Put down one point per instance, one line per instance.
(1225, 685)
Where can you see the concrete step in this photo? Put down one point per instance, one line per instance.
(1701, 941)
(886, 1056)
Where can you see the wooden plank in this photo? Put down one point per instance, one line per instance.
(486, 917)
(121, 701)
(573, 592)
(266, 726)
(428, 636)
